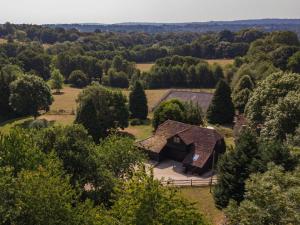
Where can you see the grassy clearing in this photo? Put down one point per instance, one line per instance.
(144, 67)
(221, 62)
(66, 100)
(140, 132)
(9, 124)
(3, 41)
(204, 202)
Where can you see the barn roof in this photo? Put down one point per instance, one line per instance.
(203, 140)
(203, 99)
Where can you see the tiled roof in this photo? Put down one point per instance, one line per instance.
(203, 140)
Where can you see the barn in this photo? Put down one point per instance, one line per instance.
(203, 99)
(196, 147)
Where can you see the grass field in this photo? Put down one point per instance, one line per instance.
(144, 67)
(2, 41)
(221, 62)
(204, 202)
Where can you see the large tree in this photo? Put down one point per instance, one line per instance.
(57, 80)
(274, 105)
(249, 156)
(8, 74)
(138, 102)
(101, 110)
(30, 94)
(143, 200)
(294, 62)
(221, 109)
(271, 198)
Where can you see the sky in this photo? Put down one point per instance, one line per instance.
(167, 11)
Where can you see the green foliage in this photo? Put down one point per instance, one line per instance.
(78, 79)
(221, 109)
(57, 80)
(30, 94)
(138, 102)
(117, 79)
(168, 110)
(242, 92)
(178, 111)
(272, 106)
(283, 118)
(8, 74)
(271, 198)
(294, 62)
(250, 156)
(19, 152)
(101, 110)
(73, 146)
(143, 200)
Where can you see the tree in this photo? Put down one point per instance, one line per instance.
(294, 62)
(168, 110)
(271, 198)
(221, 109)
(117, 79)
(101, 110)
(8, 74)
(284, 118)
(57, 80)
(30, 94)
(193, 114)
(138, 102)
(267, 95)
(250, 156)
(242, 92)
(176, 110)
(143, 200)
(78, 79)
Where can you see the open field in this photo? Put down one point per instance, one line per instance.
(2, 41)
(144, 67)
(221, 62)
(66, 100)
(204, 202)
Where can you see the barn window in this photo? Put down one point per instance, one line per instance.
(176, 139)
(196, 156)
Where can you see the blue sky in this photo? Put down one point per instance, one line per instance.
(114, 11)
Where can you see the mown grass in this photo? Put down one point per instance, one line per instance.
(9, 124)
(144, 67)
(203, 200)
(221, 62)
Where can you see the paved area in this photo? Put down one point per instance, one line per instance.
(172, 170)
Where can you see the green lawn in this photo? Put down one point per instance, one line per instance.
(7, 125)
(204, 202)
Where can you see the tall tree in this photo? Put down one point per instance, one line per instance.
(138, 102)
(241, 92)
(30, 94)
(101, 110)
(272, 198)
(221, 109)
(251, 155)
(57, 80)
(8, 74)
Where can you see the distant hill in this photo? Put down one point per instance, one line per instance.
(264, 24)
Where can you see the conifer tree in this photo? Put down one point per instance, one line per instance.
(221, 109)
(242, 92)
(138, 102)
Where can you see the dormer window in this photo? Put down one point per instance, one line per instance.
(176, 140)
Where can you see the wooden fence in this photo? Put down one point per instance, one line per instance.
(189, 182)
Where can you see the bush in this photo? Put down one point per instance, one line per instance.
(78, 79)
(136, 122)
